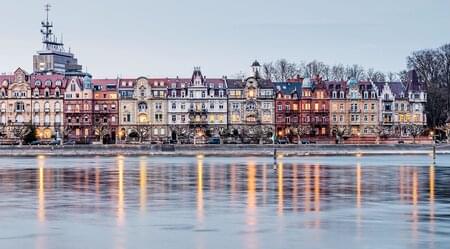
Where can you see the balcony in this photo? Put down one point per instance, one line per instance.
(3, 110)
(47, 110)
(47, 124)
(58, 110)
(18, 110)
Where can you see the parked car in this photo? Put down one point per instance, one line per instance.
(214, 140)
(305, 142)
(36, 142)
(282, 141)
(70, 142)
(55, 142)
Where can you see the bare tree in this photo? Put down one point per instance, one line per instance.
(354, 71)
(391, 77)
(403, 75)
(430, 66)
(284, 70)
(337, 72)
(143, 131)
(414, 130)
(65, 132)
(340, 132)
(317, 68)
(375, 76)
(3, 131)
(101, 130)
(21, 132)
(382, 132)
(269, 71)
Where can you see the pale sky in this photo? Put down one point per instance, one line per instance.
(169, 37)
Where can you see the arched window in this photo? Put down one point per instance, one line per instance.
(3, 119)
(57, 107)
(47, 119)
(48, 83)
(47, 107)
(19, 118)
(47, 92)
(142, 107)
(3, 107)
(58, 83)
(58, 118)
(36, 119)
(37, 83)
(57, 92)
(36, 107)
(36, 92)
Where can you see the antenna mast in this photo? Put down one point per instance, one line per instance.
(49, 40)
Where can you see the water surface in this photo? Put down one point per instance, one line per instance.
(203, 202)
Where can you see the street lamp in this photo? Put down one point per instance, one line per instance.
(434, 146)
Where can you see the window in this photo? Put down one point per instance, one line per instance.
(174, 118)
(174, 106)
(20, 107)
(280, 107)
(183, 118)
(220, 106)
(158, 106)
(211, 106)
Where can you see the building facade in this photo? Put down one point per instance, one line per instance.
(106, 110)
(287, 114)
(251, 111)
(197, 107)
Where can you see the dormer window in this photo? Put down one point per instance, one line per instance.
(334, 95)
(372, 95)
(341, 94)
(36, 92)
(37, 83)
(47, 92)
(58, 83)
(48, 83)
(366, 95)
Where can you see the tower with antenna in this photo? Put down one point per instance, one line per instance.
(53, 58)
(48, 38)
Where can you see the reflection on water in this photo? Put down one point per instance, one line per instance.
(196, 202)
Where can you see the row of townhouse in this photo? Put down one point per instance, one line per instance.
(185, 109)
(323, 109)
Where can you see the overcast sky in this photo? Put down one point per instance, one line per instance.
(169, 37)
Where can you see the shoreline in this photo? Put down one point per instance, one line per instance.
(241, 150)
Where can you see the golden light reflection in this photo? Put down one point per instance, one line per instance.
(143, 184)
(317, 188)
(200, 189)
(294, 187)
(307, 174)
(41, 189)
(251, 217)
(280, 188)
(120, 194)
(251, 193)
(358, 185)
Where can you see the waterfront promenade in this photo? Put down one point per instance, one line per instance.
(222, 150)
